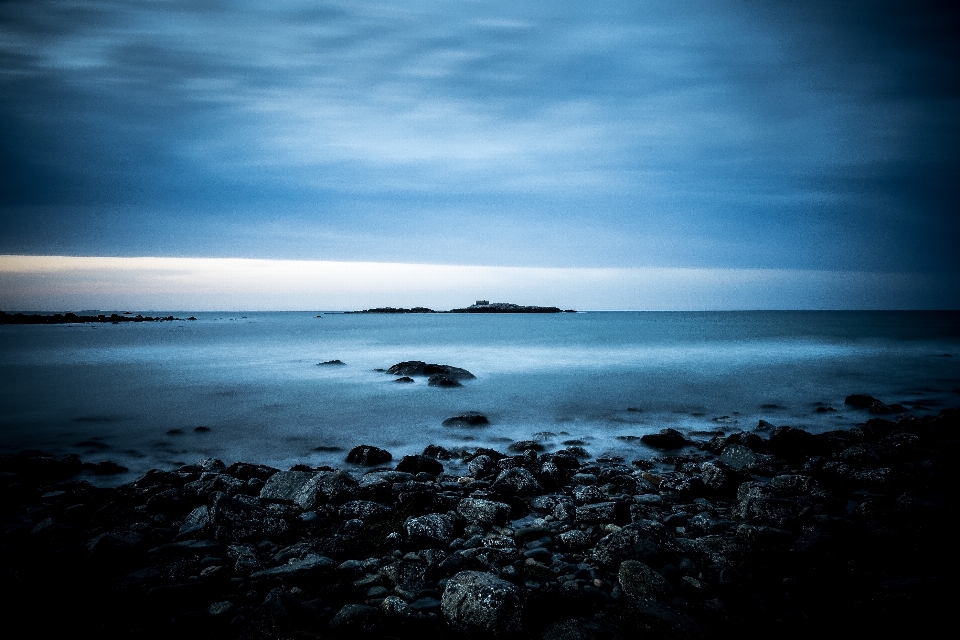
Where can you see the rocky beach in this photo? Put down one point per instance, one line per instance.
(765, 532)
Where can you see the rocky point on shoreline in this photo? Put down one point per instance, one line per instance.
(772, 532)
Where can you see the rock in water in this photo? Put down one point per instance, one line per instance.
(476, 602)
(666, 439)
(468, 419)
(368, 455)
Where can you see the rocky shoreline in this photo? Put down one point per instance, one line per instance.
(773, 532)
(73, 318)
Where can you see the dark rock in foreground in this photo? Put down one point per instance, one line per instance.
(766, 534)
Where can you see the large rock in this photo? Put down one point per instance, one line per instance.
(632, 542)
(484, 511)
(640, 581)
(368, 455)
(430, 530)
(284, 486)
(419, 463)
(468, 419)
(475, 602)
(421, 368)
(517, 481)
(665, 439)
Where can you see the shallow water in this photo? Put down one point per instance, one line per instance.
(134, 393)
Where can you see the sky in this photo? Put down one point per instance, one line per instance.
(644, 154)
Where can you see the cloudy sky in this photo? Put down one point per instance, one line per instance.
(813, 139)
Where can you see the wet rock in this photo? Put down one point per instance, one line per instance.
(420, 368)
(443, 381)
(420, 464)
(368, 455)
(483, 511)
(517, 481)
(596, 513)
(475, 602)
(332, 362)
(665, 439)
(354, 618)
(404, 379)
(640, 581)
(363, 509)
(285, 486)
(737, 456)
(429, 530)
(297, 568)
(468, 419)
(632, 542)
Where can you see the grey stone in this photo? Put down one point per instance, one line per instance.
(363, 509)
(284, 486)
(431, 529)
(596, 513)
(517, 481)
(640, 581)
(632, 542)
(475, 602)
(483, 511)
(737, 456)
(296, 568)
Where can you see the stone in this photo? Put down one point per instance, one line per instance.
(284, 486)
(596, 513)
(481, 603)
(420, 464)
(517, 481)
(632, 542)
(737, 456)
(429, 530)
(363, 509)
(484, 511)
(421, 368)
(640, 581)
(313, 563)
(665, 439)
(354, 618)
(443, 381)
(368, 455)
(468, 419)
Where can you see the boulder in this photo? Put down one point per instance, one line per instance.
(640, 581)
(420, 464)
(430, 530)
(484, 511)
(468, 419)
(421, 368)
(368, 455)
(665, 439)
(481, 603)
(517, 481)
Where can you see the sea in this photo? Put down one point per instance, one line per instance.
(248, 386)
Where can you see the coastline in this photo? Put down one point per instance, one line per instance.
(770, 531)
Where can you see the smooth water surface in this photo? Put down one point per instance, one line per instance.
(135, 393)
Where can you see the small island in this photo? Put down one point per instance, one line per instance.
(480, 306)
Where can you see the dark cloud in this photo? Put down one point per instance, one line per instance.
(746, 134)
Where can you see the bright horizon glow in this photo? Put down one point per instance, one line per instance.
(71, 283)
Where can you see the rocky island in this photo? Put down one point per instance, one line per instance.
(766, 533)
(480, 306)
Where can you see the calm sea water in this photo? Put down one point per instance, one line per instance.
(134, 393)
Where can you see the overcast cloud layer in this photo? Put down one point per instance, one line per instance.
(720, 134)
